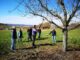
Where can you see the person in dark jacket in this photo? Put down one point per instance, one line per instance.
(14, 37)
(39, 33)
(29, 31)
(53, 32)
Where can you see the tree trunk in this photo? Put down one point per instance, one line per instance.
(65, 39)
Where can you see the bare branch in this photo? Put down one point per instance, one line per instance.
(61, 3)
(20, 3)
(75, 9)
(47, 19)
(52, 13)
(76, 26)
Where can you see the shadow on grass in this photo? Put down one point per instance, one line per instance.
(37, 46)
(42, 38)
(46, 44)
(28, 48)
(59, 41)
(73, 49)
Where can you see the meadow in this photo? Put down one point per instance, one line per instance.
(5, 39)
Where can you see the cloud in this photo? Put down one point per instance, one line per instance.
(28, 20)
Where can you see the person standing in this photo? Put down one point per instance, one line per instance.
(20, 36)
(20, 33)
(13, 39)
(39, 33)
(34, 32)
(29, 31)
(53, 32)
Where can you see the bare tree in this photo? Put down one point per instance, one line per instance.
(62, 10)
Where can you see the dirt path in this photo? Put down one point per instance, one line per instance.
(42, 52)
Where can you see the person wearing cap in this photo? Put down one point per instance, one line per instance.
(13, 38)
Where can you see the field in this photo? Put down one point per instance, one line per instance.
(5, 40)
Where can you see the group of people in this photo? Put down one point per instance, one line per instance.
(31, 32)
(14, 36)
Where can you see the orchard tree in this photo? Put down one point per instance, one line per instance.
(65, 11)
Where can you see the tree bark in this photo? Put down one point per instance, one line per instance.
(65, 39)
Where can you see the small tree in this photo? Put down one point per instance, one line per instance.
(62, 10)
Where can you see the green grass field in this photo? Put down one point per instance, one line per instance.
(5, 39)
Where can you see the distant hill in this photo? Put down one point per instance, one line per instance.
(7, 26)
(48, 25)
(3, 26)
(74, 24)
(18, 25)
(45, 25)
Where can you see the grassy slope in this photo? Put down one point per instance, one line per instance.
(74, 39)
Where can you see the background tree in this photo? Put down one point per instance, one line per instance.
(65, 11)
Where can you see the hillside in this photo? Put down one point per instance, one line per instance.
(3, 26)
(76, 25)
(45, 25)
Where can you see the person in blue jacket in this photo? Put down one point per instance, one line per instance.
(53, 32)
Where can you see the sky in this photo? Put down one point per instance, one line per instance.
(15, 17)
(10, 15)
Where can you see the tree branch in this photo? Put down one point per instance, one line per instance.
(63, 8)
(47, 20)
(16, 6)
(78, 25)
(75, 9)
(52, 13)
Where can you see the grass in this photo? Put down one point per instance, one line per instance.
(74, 38)
(5, 39)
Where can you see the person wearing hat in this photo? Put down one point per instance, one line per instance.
(13, 38)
